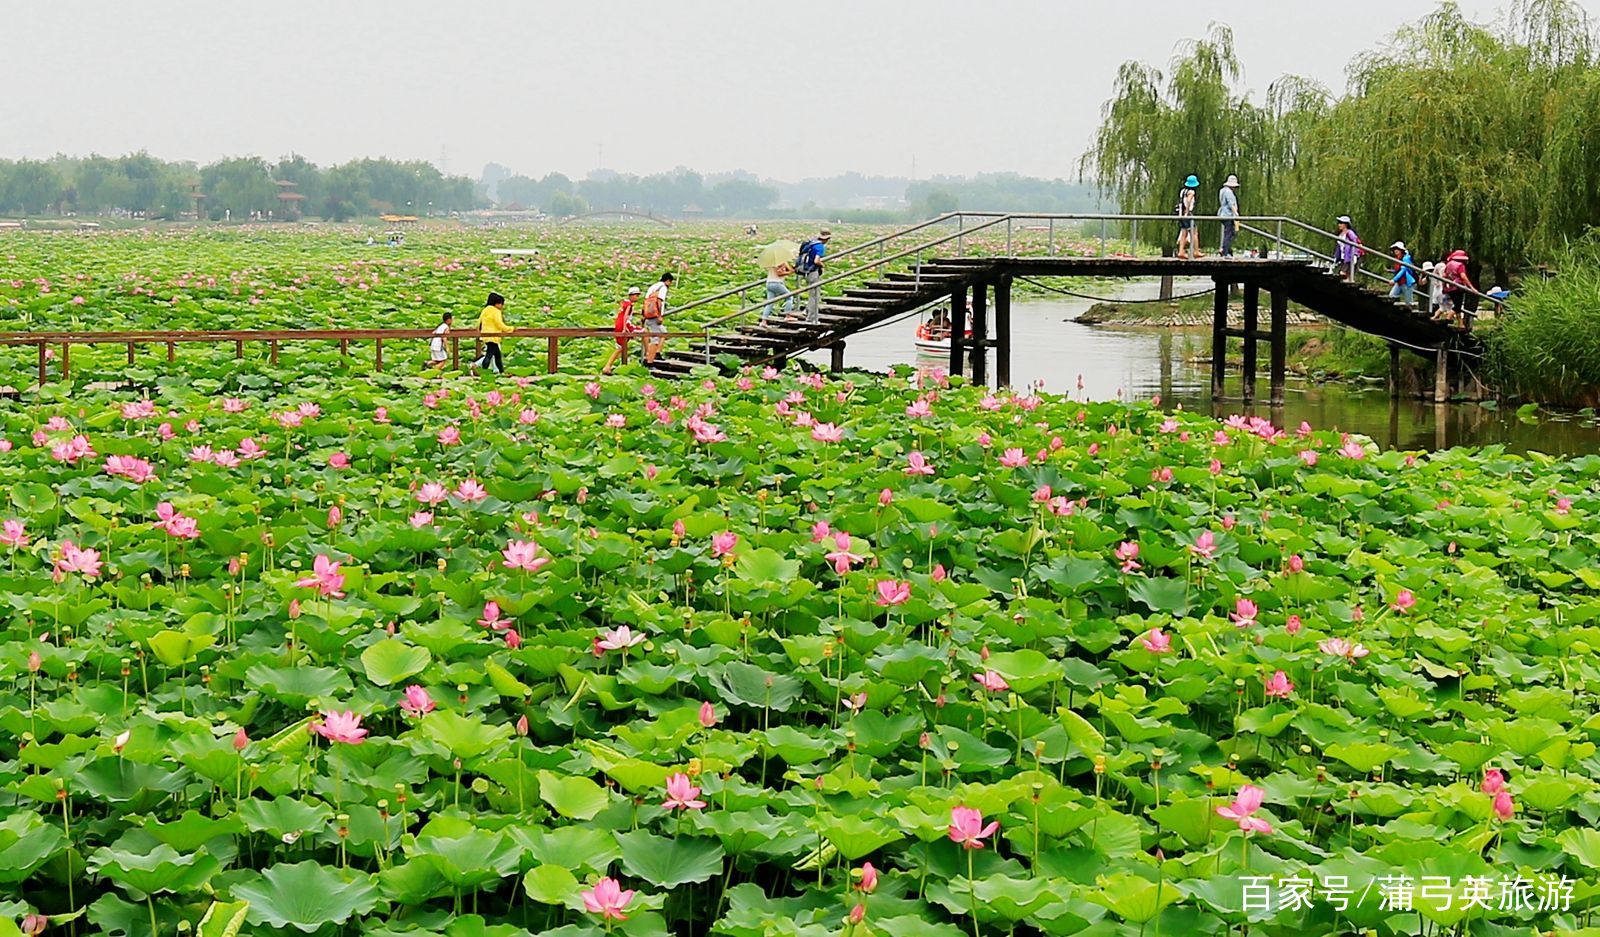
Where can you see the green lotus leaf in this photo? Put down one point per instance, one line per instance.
(391, 660)
(306, 896)
(669, 862)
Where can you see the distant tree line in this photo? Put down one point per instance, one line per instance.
(1453, 134)
(680, 192)
(141, 185)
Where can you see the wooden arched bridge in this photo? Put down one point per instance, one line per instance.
(971, 257)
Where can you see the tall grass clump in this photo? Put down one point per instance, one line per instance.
(1547, 347)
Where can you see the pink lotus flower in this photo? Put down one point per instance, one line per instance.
(1127, 553)
(967, 829)
(1278, 685)
(857, 914)
(893, 592)
(1243, 807)
(241, 739)
(1156, 641)
(885, 498)
(183, 527)
(869, 879)
(325, 577)
(290, 419)
(14, 534)
(74, 559)
(528, 417)
(1493, 781)
(126, 466)
(491, 617)
(841, 557)
(380, 415)
(225, 458)
(682, 794)
(341, 727)
(1216, 467)
(421, 519)
(34, 924)
(722, 544)
(523, 554)
(1161, 475)
(1296, 564)
(917, 464)
(201, 454)
(73, 450)
(991, 403)
(522, 725)
(919, 409)
(992, 681)
(1309, 457)
(708, 715)
(985, 440)
(513, 639)
(1293, 625)
(417, 702)
(939, 574)
(1339, 647)
(678, 529)
(592, 389)
(621, 638)
(616, 421)
(821, 531)
(335, 516)
(827, 432)
(1352, 450)
(449, 436)
(250, 449)
(1013, 458)
(607, 899)
(470, 491)
(338, 460)
(1403, 601)
(1503, 806)
(1244, 613)
(432, 493)
(1563, 505)
(1205, 545)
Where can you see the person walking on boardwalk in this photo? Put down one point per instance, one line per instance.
(624, 328)
(1228, 208)
(655, 311)
(492, 325)
(777, 285)
(1404, 281)
(809, 266)
(1186, 232)
(438, 357)
(1348, 253)
(1457, 287)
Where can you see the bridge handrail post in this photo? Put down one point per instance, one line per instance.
(1050, 245)
(961, 227)
(1010, 251)
(1102, 237)
(1133, 239)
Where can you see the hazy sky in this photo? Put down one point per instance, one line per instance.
(784, 89)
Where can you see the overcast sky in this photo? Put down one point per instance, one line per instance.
(784, 89)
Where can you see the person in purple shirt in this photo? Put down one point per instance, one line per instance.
(1349, 250)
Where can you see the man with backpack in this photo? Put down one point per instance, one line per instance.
(808, 265)
(655, 311)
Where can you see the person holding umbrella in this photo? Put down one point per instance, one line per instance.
(777, 259)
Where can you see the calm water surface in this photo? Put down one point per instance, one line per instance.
(1048, 348)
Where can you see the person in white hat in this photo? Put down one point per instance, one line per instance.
(1404, 281)
(1228, 208)
(625, 328)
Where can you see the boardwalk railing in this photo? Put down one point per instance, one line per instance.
(1016, 234)
(274, 338)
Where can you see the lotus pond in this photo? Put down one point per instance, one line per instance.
(777, 654)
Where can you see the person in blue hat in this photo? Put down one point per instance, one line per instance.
(1186, 230)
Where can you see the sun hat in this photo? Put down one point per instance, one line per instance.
(633, 291)
(1427, 265)
(1400, 245)
(1458, 255)
(1345, 219)
(824, 234)
(1232, 183)
(1192, 181)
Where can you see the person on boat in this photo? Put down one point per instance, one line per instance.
(1404, 281)
(1228, 208)
(1348, 253)
(624, 328)
(1186, 230)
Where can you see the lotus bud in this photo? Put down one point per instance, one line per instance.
(240, 740)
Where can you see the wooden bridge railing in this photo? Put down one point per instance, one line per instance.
(44, 341)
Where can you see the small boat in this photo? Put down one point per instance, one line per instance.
(933, 334)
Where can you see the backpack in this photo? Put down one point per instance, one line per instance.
(806, 261)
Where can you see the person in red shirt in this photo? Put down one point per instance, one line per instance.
(625, 327)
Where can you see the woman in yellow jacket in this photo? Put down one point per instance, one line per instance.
(492, 322)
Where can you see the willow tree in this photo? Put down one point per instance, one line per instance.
(1157, 129)
(1443, 139)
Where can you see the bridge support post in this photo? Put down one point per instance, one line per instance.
(980, 334)
(836, 357)
(1166, 281)
(1441, 375)
(958, 327)
(1280, 344)
(1394, 371)
(1219, 338)
(1002, 331)
(1252, 308)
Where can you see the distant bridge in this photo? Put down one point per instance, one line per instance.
(909, 270)
(620, 214)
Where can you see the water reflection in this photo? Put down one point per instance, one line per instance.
(1103, 363)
